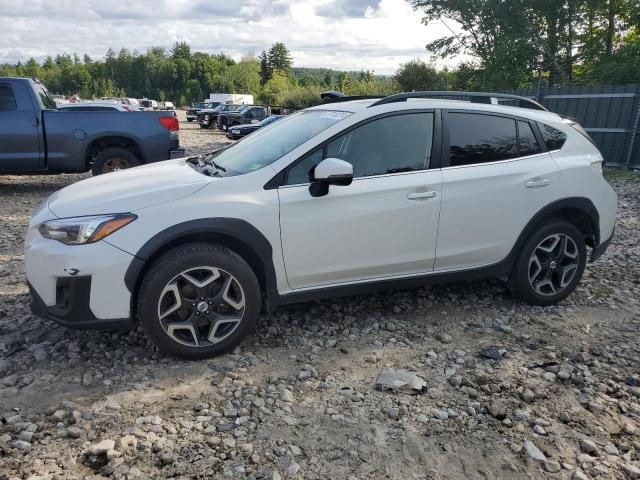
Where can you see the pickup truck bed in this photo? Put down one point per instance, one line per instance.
(37, 138)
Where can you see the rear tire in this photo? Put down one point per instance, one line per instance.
(198, 301)
(113, 159)
(550, 264)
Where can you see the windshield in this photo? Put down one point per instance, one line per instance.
(197, 105)
(268, 144)
(268, 120)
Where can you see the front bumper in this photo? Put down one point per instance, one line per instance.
(72, 307)
(77, 285)
(597, 252)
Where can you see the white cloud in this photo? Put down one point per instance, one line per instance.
(343, 34)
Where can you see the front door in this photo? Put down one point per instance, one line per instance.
(383, 225)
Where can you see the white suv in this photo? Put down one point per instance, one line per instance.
(337, 199)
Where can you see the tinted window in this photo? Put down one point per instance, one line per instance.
(300, 173)
(401, 143)
(476, 138)
(7, 100)
(528, 143)
(553, 138)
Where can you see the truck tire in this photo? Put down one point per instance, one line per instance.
(113, 159)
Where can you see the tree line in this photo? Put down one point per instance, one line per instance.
(521, 43)
(510, 44)
(183, 77)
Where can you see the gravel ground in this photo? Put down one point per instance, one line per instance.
(506, 390)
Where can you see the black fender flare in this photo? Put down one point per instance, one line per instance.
(247, 240)
(582, 204)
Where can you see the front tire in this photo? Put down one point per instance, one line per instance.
(550, 264)
(198, 301)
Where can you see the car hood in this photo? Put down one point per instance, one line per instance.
(128, 190)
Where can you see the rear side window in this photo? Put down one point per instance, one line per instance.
(476, 138)
(553, 138)
(7, 99)
(527, 140)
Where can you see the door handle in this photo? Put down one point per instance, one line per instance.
(537, 183)
(422, 195)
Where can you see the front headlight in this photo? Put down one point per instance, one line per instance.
(83, 230)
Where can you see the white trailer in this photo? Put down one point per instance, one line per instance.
(235, 98)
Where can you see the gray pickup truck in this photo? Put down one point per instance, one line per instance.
(37, 138)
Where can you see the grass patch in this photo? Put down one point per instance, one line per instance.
(601, 292)
(622, 175)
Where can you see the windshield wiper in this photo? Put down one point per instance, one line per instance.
(218, 167)
(208, 158)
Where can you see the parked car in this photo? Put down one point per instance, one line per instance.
(122, 100)
(209, 116)
(192, 113)
(166, 106)
(238, 131)
(96, 107)
(243, 115)
(147, 105)
(38, 137)
(337, 199)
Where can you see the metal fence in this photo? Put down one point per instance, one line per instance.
(611, 115)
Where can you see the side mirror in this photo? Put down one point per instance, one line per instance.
(330, 171)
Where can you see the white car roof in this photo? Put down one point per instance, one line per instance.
(355, 106)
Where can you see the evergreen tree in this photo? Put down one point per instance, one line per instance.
(279, 58)
(265, 68)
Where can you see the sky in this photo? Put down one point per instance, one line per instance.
(375, 35)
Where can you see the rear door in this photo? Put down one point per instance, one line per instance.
(496, 178)
(20, 143)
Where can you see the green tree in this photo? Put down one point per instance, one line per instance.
(417, 75)
(265, 68)
(279, 58)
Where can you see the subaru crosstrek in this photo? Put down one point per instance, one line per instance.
(337, 199)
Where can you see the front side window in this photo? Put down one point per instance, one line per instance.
(396, 144)
(274, 141)
(476, 138)
(7, 99)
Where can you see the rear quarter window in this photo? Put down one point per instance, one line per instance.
(553, 138)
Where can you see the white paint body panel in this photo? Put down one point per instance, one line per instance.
(366, 230)
(486, 206)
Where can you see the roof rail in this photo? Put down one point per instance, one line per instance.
(336, 97)
(473, 97)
